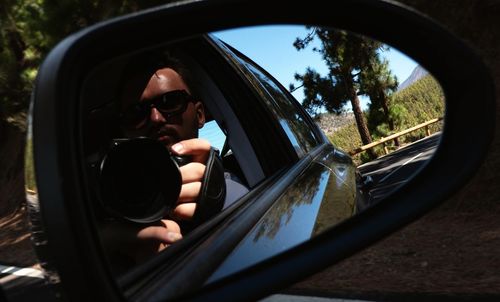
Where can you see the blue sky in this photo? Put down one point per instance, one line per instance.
(271, 48)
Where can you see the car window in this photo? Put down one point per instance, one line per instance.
(212, 132)
(291, 119)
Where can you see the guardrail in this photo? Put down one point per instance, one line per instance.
(396, 135)
(30, 191)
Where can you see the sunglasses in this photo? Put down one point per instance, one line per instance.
(169, 104)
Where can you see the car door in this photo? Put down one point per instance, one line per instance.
(307, 187)
(322, 195)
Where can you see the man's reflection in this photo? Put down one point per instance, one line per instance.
(170, 111)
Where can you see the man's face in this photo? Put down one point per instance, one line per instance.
(152, 115)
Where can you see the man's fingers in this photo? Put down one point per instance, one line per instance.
(192, 172)
(171, 225)
(197, 148)
(189, 192)
(185, 211)
(159, 233)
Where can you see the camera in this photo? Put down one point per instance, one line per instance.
(139, 180)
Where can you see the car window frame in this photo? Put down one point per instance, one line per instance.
(272, 105)
(249, 108)
(278, 106)
(221, 110)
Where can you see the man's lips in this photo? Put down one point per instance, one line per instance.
(164, 138)
(167, 136)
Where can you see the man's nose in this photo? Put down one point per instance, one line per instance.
(156, 116)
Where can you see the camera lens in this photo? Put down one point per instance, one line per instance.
(139, 181)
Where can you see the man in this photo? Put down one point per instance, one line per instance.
(171, 112)
(177, 128)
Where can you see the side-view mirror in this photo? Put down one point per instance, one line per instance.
(81, 79)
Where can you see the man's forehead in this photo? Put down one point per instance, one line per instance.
(163, 80)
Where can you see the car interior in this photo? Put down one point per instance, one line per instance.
(99, 121)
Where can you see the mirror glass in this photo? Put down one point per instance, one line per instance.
(400, 101)
(254, 96)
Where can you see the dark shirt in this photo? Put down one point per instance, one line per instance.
(234, 189)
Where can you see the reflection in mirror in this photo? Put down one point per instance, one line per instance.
(382, 112)
(369, 99)
(372, 102)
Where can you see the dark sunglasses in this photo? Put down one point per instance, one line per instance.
(169, 104)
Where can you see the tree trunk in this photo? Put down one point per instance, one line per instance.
(360, 121)
(356, 109)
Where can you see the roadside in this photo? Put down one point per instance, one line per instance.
(15, 243)
(453, 251)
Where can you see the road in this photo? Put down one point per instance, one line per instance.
(393, 170)
(15, 282)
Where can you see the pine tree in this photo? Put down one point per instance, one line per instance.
(354, 68)
(379, 84)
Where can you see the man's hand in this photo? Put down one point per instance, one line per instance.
(136, 242)
(140, 243)
(192, 175)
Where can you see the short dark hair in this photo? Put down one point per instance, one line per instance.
(173, 59)
(138, 71)
(149, 63)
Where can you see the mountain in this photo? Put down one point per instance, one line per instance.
(415, 75)
(330, 122)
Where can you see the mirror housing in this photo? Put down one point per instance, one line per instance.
(73, 240)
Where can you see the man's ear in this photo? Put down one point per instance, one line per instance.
(200, 114)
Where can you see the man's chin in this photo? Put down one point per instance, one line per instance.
(167, 140)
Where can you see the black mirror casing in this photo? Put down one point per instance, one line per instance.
(68, 220)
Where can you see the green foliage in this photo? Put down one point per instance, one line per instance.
(354, 68)
(416, 104)
(377, 81)
(345, 54)
(347, 139)
(319, 92)
(19, 55)
(30, 28)
(379, 84)
(398, 113)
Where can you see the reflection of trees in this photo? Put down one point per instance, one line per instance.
(285, 110)
(302, 193)
(338, 202)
